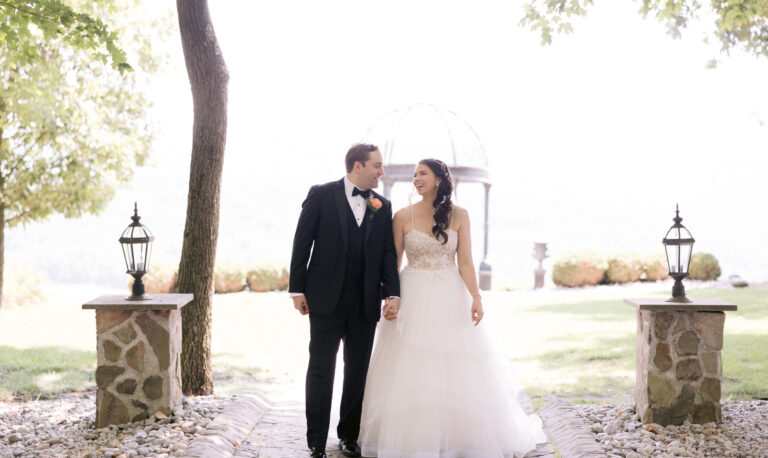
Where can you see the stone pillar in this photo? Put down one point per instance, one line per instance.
(138, 356)
(678, 365)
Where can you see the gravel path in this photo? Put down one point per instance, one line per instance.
(619, 432)
(64, 426)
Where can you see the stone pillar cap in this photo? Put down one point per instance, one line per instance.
(155, 302)
(696, 305)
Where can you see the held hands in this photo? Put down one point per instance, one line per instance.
(391, 307)
(477, 309)
(300, 303)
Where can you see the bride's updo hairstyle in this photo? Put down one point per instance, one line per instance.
(442, 204)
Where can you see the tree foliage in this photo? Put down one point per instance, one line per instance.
(738, 24)
(73, 121)
(56, 21)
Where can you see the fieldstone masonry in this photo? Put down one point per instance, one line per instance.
(139, 349)
(678, 364)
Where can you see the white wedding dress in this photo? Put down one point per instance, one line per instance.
(435, 386)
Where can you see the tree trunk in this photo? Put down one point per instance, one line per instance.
(208, 77)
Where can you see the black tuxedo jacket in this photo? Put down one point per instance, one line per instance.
(319, 253)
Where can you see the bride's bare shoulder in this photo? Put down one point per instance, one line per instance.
(460, 218)
(459, 212)
(402, 213)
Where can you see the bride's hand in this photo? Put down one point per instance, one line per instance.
(391, 307)
(477, 309)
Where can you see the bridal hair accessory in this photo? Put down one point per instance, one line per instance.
(444, 168)
(374, 204)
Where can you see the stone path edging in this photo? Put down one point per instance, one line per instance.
(231, 427)
(568, 432)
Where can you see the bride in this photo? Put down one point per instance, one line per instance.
(435, 388)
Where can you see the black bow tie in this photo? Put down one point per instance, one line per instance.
(365, 194)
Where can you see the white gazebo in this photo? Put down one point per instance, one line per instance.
(423, 130)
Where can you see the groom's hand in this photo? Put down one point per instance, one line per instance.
(300, 303)
(391, 307)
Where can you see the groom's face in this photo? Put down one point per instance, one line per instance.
(370, 172)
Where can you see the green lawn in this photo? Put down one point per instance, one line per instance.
(585, 350)
(575, 343)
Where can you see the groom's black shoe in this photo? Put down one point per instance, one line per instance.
(349, 447)
(317, 452)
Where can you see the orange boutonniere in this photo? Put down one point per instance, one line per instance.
(374, 204)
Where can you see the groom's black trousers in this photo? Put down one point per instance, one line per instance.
(347, 323)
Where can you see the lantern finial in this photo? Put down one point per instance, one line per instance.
(677, 218)
(135, 216)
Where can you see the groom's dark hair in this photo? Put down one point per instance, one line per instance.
(359, 152)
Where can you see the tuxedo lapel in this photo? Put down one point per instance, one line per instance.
(341, 208)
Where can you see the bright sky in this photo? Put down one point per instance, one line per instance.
(590, 141)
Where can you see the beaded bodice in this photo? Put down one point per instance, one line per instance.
(424, 251)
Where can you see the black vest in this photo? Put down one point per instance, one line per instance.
(353, 273)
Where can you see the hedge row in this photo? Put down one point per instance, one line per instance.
(227, 278)
(589, 268)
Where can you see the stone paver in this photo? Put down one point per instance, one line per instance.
(281, 434)
(564, 428)
(231, 428)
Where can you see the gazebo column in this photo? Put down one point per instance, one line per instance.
(388, 187)
(485, 268)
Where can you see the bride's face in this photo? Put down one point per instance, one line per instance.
(424, 180)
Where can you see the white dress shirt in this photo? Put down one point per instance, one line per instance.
(356, 203)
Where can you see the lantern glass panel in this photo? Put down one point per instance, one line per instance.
(146, 260)
(141, 261)
(685, 256)
(672, 234)
(673, 252)
(128, 256)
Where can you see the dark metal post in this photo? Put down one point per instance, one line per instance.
(485, 268)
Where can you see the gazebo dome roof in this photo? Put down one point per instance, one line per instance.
(423, 130)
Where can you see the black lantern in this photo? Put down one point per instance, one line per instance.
(678, 244)
(137, 246)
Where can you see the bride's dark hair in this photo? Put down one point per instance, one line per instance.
(442, 204)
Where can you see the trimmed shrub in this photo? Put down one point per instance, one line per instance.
(161, 279)
(655, 267)
(267, 278)
(704, 266)
(228, 278)
(624, 268)
(23, 285)
(579, 269)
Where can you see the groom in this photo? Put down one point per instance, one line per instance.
(343, 264)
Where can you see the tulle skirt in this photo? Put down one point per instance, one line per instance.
(435, 387)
